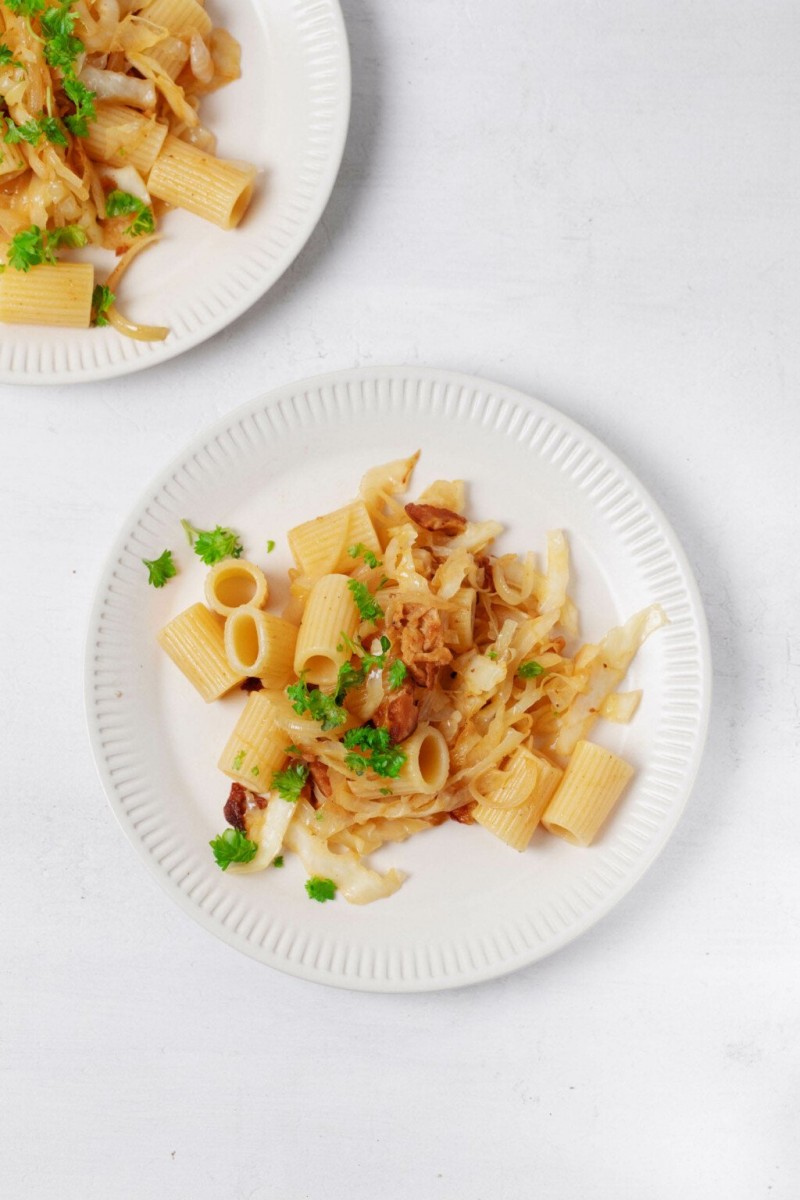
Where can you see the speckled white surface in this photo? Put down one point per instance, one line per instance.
(595, 204)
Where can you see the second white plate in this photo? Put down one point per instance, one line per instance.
(288, 114)
(471, 908)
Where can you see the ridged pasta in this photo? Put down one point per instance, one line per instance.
(60, 294)
(330, 611)
(514, 807)
(261, 644)
(424, 772)
(123, 137)
(320, 547)
(593, 783)
(233, 583)
(257, 746)
(194, 640)
(203, 184)
(179, 16)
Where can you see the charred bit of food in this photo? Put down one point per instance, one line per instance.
(239, 803)
(436, 520)
(320, 776)
(398, 712)
(463, 814)
(419, 637)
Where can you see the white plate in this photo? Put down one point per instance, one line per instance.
(289, 114)
(471, 908)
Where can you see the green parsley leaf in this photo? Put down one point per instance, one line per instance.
(317, 704)
(83, 100)
(491, 654)
(232, 846)
(120, 204)
(365, 602)
(397, 674)
(160, 569)
(278, 862)
(292, 749)
(212, 545)
(7, 57)
(72, 236)
(385, 758)
(102, 299)
(29, 132)
(386, 791)
(24, 8)
(320, 889)
(27, 249)
(289, 783)
(270, 546)
(359, 550)
(61, 50)
(58, 20)
(529, 670)
(53, 130)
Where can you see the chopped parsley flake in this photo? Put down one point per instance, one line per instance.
(160, 569)
(530, 669)
(102, 299)
(385, 758)
(7, 57)
(278, 862)
(320, 889)
(359, 550)
(397, 674)
(83, 100)
(238, 759)
(491, 654)
(365, 602)
(317, 704)
(212, 545)
(33, 246)
(25, 8)
(349, 676)
(32, 131)
(289, 783)
(270, 546)
(121, 204)
(232, 846)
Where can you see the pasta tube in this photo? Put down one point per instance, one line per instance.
(179, 16)
(424, 771)
(593, 783)
(260, 644)
(48, 295)
(235, 582)
(194, 641)
(207, 186)
(257, 746)
(320, 546)
(513, 810)
(121, 136)
(330, 611)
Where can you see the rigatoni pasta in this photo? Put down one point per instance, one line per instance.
(100, 132)
(195, 641)
(428, 679)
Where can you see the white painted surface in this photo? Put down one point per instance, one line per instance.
(596, 204)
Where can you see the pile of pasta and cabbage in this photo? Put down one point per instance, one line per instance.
(100, 133)
(414, 677)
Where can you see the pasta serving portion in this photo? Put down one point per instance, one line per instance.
(415, 676)
(100, 132)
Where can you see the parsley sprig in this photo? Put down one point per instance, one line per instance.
(232, 846)
(7, 57)
(365, 602)
(33, 246)
(359, 550)
(320, 889)
(121, 204)
(160, 569)
(397, 674)
(24, 8)
(212, 545)
(34, 130)
(102, 299)
(530, 669)
(317, 704)
(289, 783)
(385, 758)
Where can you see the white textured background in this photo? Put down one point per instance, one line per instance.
(597, 204)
